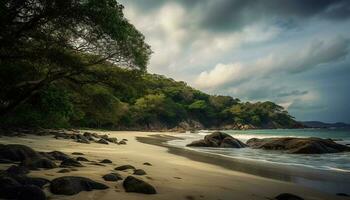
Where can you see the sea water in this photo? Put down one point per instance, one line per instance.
(334, 161)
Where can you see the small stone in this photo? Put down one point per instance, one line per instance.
(106, 161)
(147, 163)
(71, 163)
(112, 177)
(139, 172)
(124, 167)
(82, 159)
(77, 153)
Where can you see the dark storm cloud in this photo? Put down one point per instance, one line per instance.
(227, 15)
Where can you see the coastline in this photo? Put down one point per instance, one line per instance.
(175, 176)
(323, 180)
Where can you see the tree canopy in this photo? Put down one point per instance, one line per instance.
(46, 41)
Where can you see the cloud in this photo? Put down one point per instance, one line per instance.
(310, 56)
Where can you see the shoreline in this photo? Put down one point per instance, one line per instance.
(174, 176)
(337, 182)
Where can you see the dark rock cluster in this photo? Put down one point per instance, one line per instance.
(218, 139)
(288, 144)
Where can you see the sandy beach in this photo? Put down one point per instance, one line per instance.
(173, 176)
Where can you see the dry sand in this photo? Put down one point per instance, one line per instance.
(173, 176)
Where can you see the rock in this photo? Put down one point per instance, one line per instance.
(287, 196)
(132, 184)
(57, 155)
(102, 141)
(70, 185)
(30, 192)
(122, 142)
(112, 177)
(26, 192)
(82, 159)
(17, 152)
(37, 163)
(147, 163)
(106, 161)
(298, 145)
(124, 167)
(77, 153)
(139, 172)
(70, 163)
(89, 136)
(17, 170)
(82, 139)
(8, 181)
(218, 139)
(25, 180)
(63, 171)
(112, 140)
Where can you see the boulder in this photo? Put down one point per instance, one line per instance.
(70, 185)
(24, 188)
(30, 192)
(139, 172)
(25, 180)
(218, 139)
(298, 145)
(17, 152)
(70, 163)
(112, 177)
(37, 163)
(288, 196)
(17, 170)
(124, 167)
(132, 184)
(102, 141)
(26, 192)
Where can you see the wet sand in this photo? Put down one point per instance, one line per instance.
(175, 173)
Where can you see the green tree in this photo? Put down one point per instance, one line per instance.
(48, 42)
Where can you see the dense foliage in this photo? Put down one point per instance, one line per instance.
(81, 63)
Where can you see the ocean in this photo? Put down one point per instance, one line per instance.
(332, 162)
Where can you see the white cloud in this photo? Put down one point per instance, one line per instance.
(298, 60)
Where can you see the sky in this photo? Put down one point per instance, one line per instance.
(292, 52)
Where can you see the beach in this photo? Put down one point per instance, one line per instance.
(175, 173)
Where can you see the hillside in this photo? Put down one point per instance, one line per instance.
(318, 124)
(136, 101)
